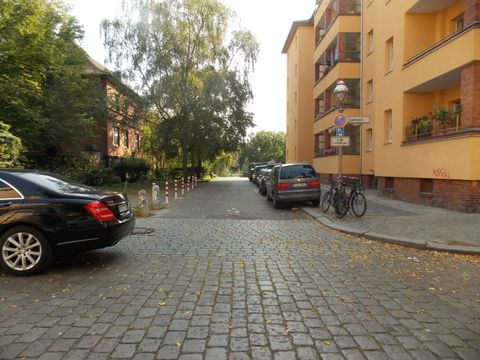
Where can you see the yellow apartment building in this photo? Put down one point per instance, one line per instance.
(299, 52)
(420, 87)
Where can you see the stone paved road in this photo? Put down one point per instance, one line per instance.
(225, 276)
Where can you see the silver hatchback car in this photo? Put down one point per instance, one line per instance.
(290, 183)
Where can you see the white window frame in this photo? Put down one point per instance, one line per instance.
(125, 137)
(370, 139)
(388, 126)
(370, 42)
(137, 142)
(370, 90)
(116, 136)
(390, 54)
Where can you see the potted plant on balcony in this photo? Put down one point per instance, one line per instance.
(422, 126)
(446, 119)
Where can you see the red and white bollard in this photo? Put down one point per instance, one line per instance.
(166, 192)
(176, 193)
(196, 181)
(183, 189)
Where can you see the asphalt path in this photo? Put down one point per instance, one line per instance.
(228, 198)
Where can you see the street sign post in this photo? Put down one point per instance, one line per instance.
(340, 141)
(357, 120)
(340, 120)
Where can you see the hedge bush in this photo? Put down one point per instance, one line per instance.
(132, 169)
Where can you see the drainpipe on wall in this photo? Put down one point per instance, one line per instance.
(361, 88)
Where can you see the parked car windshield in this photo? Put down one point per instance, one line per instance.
(297, 171)
(57, 183)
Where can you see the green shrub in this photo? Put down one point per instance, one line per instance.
(101, 176)
(131, 169)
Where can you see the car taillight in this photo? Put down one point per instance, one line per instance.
(314, 184)
(282, 186)
(100, 211)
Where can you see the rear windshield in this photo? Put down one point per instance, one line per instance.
(297, 172)
(57, 183)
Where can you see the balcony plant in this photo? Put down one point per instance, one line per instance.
(446, 118)
(422, 126)
(440, 120)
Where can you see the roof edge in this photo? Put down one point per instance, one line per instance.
(292, 31)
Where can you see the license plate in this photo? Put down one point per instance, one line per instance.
(122, 208)
(298, 185)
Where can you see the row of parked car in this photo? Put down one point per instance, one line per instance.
(287, 183)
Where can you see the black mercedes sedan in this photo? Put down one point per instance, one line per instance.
(43, 215)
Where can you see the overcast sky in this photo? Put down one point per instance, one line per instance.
(268, 20)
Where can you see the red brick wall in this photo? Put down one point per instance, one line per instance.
(470, 95)
(341, 46)
(462, 195)
(472, 11)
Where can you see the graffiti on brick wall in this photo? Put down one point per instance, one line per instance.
(441, 173)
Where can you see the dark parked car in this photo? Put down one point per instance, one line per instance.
(262, 184)
(256, 173)
(250, 174)
(290, 183)
(43, 215)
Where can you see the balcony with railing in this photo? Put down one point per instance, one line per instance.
(327, 102)
(345, 47)
(333, 10)
(323, 147)
(440, 123)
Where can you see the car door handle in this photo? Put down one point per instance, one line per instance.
(5, 204)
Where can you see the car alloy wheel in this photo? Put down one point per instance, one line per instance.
(24, 251)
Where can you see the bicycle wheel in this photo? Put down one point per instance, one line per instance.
(358, 204)
(341, 204)
(326, 201)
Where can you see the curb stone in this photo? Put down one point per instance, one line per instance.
(413, 243)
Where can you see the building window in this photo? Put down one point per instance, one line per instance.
(389, 55)
(352, 47)
(370, 43)
(137, 142)
(354, 133)
(320, 144)
(426, 186)
(369, 140)
(459, 23)
(125, 138)
(116, 136)
(369, 91)
(353, 96)
(388, 127)
(457, 107)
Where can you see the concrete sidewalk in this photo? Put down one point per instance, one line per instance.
(408, 224)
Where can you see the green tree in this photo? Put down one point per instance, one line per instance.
(262, 147)
(197, 81)
(44, 93)
(10, 146)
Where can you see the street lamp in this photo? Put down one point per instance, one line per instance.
(340, 91)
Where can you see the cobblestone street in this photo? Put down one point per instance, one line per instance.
(225, 276)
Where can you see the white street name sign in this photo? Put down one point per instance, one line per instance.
(340, 141)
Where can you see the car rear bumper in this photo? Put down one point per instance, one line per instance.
(100, 237)
(299, 195)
